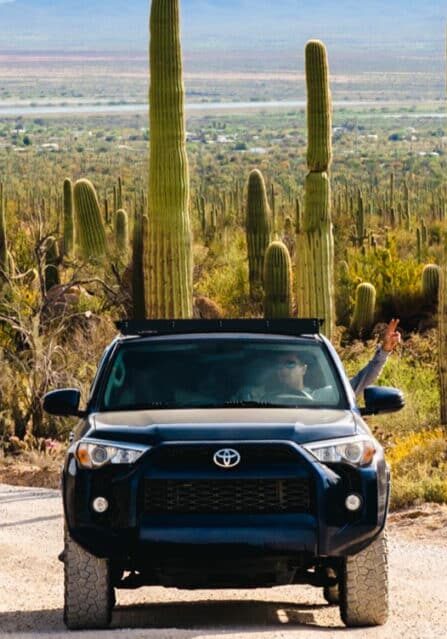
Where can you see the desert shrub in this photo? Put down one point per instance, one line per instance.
(225, 280)
(396, 280)
(42, 365)
(419, 467)
(41, 350)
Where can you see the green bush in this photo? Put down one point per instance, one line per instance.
(396, 280)
(226, 280)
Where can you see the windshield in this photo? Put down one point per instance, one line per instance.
(222, 373)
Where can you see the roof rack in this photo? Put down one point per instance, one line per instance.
(287, 326)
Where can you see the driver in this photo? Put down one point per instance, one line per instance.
(282, 376)
(289, 373)
(287, 377)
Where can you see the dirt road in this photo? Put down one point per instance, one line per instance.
(31, 590)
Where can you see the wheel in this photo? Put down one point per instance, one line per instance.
(89, 595)
(332, 594)
(364, 586)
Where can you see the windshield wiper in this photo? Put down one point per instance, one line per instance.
(150, 406)
(249, 403)
(242, 403)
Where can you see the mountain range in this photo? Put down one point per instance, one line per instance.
(409, 25)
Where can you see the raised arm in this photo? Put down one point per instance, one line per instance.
(367, 375)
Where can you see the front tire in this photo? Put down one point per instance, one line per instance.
(364, 586)
(88, 594)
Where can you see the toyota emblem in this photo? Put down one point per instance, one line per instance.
(227, 458)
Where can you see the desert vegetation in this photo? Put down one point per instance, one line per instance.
(338, 214)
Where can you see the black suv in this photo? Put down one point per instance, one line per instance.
(197, 464)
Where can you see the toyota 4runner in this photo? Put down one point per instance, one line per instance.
(197, 464)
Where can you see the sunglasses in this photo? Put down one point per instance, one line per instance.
(290, 364)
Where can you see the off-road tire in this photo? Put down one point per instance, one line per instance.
(364, 586)
(89, 594)
(332, 594)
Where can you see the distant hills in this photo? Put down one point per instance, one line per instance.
(408, 27)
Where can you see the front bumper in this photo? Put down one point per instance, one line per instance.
(127, 532)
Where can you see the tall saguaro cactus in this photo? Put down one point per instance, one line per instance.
(315, 242)
(442, 326)
(258, 230)
(442, 335)
(168, 254)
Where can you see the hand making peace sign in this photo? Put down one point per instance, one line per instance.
(392, 337)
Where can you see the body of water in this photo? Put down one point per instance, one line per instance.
(16, 110)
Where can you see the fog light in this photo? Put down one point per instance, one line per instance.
(353, 502)
(100, 504)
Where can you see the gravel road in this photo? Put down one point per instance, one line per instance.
(31, 591)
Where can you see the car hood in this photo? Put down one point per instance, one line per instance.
(156, 427)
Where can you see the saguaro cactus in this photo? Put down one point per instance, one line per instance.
(342, 300)
(52, 261)
(442, 337)
(407, 207)
(391, 191)
(168, 256)
(4, 262)
(90, 232)
(315, 243)
(258, 230)
(68, 219)
(361, 233)
(277, 281)
(140, 231)
(365, 304)
(119, 195)
(122, 234)
(430, 283)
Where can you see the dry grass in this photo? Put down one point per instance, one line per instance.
(32, 468)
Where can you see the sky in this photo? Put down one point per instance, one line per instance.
(409, 25)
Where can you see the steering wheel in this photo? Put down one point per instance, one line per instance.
(297, 394)
(119, 376)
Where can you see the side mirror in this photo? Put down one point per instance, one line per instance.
(382, 399)
(63, 402)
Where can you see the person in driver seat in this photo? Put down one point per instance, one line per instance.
(282, 377)
(287, 376)
(290, 373)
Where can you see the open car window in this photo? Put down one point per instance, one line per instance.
(221, 373)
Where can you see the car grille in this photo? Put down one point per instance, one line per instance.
(227, 496)
(201, 456)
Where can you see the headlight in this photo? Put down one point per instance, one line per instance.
(97, 453)
(359, 450)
